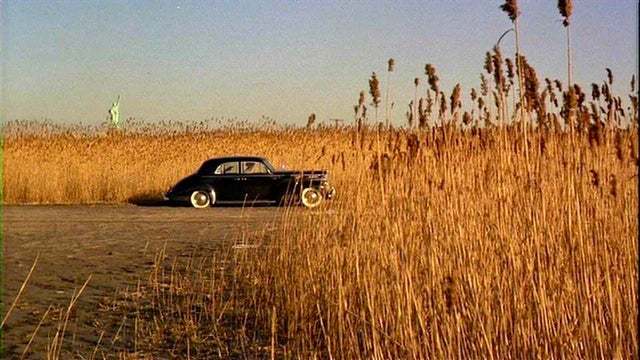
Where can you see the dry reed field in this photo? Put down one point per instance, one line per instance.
(45, 163)
(460, 244)
(468, 252)
(502, 227)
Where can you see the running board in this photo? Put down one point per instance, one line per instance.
(246, 202)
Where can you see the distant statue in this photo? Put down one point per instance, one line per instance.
(114, 113)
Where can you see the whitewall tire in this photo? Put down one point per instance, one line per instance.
(200, 199)
(311, 197)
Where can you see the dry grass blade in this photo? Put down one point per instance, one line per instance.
(55, 349)
(26, 348)
(22, 287)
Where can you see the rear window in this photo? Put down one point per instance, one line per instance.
(254, 167)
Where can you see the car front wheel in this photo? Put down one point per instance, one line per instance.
(311, 197)
(201, 199)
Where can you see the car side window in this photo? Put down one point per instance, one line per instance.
(254, 167)
(231, 167)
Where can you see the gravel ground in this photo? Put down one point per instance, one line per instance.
(114, 245)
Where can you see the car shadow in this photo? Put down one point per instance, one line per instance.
(150, 200)
(247, 205)
(155, 200)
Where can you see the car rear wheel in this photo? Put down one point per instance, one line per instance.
(311, 197)
(201, 199)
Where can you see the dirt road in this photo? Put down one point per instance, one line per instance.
(114, 245)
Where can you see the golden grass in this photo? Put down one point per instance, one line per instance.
(441, 243)
(72, 166)
(508, 242)
(473, 254)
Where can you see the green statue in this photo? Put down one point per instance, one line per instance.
(114, 112)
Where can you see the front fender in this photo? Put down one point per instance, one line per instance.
(328, 191)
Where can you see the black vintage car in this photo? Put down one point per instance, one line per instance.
(250, 180)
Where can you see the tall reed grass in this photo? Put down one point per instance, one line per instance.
(467, 253)
(472, 254)
(74, 164)
(497, 229)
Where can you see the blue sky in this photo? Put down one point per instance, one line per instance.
(193, 60)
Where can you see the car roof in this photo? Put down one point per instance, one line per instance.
(234, 158)
(211, 164)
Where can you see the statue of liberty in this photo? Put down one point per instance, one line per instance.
(114, 113)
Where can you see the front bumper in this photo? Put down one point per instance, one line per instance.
(328, 191)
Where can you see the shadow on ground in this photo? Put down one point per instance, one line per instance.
(156, 200)
(149, 199)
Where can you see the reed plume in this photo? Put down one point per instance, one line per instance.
(360, 111)
(374, 90)
(422, 112)
(311, 120)
(542, 107)
(467, 118)
(488, 63)
(634, 109)
(549, 84)
(580, 94)
(553, 98)
(633, 97)
(511, 8)
(566, 8)
(455, 99)
(531, 85)
(498, 73)
(416, 84)
(390, 67)
(595, 92)
(570, 103)
(500, 82)
(510, 71)
(484, 87)
(432, 77)
(411, 114)
(558, 84)
(428, 108)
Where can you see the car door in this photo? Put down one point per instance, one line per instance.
(258, 181)
(226, 181)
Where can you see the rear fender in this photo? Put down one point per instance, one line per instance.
(207, 188)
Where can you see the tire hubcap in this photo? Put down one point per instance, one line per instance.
(311, 197)
(200, 199)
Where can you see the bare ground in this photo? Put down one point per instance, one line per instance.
(114, 245)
